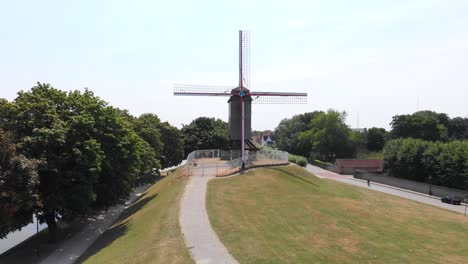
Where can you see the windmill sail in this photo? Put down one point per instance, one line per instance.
(244, 59)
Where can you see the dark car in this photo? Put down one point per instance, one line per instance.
(451, 199)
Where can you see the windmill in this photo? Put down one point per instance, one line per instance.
(241, 98)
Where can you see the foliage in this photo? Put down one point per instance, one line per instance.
(426, 125)
(376, 138)
(299, 160)
(90, 153)
(18, 182)
(205, 133)
(445, 164)
(329, 137)
(173, 145)
(287, 133)
(458, 128)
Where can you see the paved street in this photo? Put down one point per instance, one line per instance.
(423, 198)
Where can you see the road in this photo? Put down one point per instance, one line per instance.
(419, 197)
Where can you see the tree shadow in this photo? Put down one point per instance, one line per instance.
(116, 231)
(295, 176)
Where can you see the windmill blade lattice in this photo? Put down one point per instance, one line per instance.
(279, 100)
(202, 90)
(245, 57)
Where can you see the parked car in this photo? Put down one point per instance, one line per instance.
(451, 199)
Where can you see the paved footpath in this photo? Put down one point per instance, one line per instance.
(420, 197)
(70, 250)
(203, 243)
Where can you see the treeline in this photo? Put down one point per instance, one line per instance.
(429, 125)
(420, 146)
(440, 163)
(64, 154)
(428, 147)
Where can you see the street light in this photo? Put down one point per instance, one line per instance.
(430, 185)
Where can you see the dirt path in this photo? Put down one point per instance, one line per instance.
(203, 243)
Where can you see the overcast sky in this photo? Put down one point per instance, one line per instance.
(372, 59)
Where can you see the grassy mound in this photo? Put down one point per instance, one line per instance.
(287, 215)
(148, 231)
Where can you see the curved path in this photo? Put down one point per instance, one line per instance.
(203, 243)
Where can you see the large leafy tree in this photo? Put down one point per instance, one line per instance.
(287, 133)
(173, 149)
(376, 138)
(147, 127)
(51, 130)
(205, 133)
(458, 128)
(18, 181)
(329, 137)
(426, 125)
(90, 155)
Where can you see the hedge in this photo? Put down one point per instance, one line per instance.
(444, 164)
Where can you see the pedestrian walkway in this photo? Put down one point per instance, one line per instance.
(419, 197)
(203, 243)
(70, 250)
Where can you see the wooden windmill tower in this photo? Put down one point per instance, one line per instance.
(241, 98)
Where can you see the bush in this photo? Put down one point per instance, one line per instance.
(299, 160)
(302, 162)
(292, 158)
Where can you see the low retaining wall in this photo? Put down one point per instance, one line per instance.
(348, 166)
(420, 187)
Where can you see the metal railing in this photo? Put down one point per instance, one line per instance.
(220, 163)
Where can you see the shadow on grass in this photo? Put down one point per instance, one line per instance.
(295, 176)
(116, 231)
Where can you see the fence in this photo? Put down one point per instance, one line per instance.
(420, 187)
(220, 162)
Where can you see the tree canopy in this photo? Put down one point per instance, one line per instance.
(89, 154)
(376, 138)
(18, 182)
(322, 134)
(426, 125)
(205, 133)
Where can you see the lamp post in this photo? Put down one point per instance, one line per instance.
(430, 185)
(466, 203)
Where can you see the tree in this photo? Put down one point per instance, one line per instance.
(49, 130)
(287, 133)
(328, 136)
(458, 128)
(205, 133)
(426, 125)
(173, 145)
(147, 127)
(375, 138)
(18, 181)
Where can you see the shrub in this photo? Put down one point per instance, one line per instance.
(299, 160)
(302, 162)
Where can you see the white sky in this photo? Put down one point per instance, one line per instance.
(374, 59)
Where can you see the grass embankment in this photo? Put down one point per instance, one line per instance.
(287, 215)
(148, 232)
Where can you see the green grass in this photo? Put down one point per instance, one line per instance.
(286, 215)
(148, 232)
